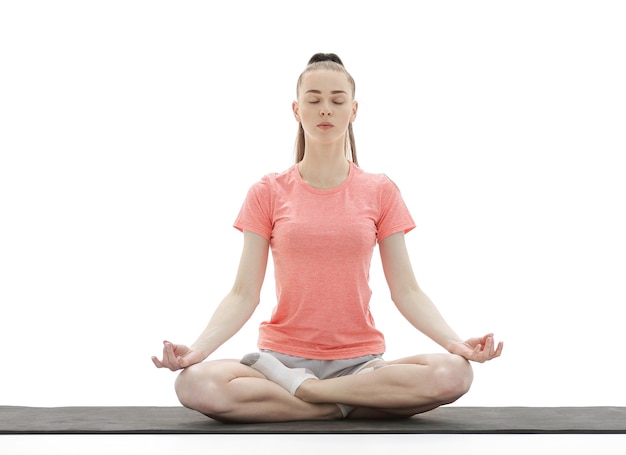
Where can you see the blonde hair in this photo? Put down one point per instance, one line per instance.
(334, 63)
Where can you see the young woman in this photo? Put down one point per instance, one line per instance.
(320, 353)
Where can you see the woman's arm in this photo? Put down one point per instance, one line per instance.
(419, 310)
(233, 311)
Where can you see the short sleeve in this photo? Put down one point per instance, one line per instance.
(394, 214)
(255, 213)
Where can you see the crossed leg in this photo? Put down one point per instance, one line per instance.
(228, 391)
(402, 388)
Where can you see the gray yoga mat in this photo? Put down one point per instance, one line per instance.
(446, 419)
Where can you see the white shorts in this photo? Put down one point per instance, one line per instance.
(325, 369)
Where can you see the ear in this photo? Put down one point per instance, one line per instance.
(355, 108)
(294, 108)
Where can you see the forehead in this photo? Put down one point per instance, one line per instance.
(325, 80)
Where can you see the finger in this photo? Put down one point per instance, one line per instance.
(489, 345)
(157, 362)
(184, 361)
(495, 353)
(499, 349)
(482, 352)
(169, 356)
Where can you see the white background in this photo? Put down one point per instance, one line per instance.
(130, 132)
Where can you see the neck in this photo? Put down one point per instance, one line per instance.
(324, 169)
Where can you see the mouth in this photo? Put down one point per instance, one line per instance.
(325, 125)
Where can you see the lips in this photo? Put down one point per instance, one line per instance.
(325, 125)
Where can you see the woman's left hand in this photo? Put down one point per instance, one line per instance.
(478, 349)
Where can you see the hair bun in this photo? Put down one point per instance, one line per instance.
(322, 57)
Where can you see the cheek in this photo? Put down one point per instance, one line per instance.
(347, 113)
(311, 115)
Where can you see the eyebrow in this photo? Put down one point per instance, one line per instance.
(333, 92)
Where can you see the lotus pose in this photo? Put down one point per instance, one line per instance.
(320, 355)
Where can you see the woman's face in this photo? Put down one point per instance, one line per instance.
(325, 105)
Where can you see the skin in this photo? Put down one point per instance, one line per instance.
(231, 392)
(325, 96)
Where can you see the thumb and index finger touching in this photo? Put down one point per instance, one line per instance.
(173, 358)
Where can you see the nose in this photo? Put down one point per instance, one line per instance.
(325, 110)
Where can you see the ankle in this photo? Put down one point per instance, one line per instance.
(306, 389)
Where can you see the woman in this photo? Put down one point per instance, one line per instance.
(320, 353)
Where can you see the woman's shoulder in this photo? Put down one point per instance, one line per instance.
(378, 179)
(274, 180)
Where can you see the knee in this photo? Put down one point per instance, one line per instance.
(189, 385)
(453, 378)
(199, 388)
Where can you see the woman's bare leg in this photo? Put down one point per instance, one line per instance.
(402, 388)
(228, 391)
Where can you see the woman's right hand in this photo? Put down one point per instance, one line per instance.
(177, 356)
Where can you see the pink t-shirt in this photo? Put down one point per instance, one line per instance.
(322, 243)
